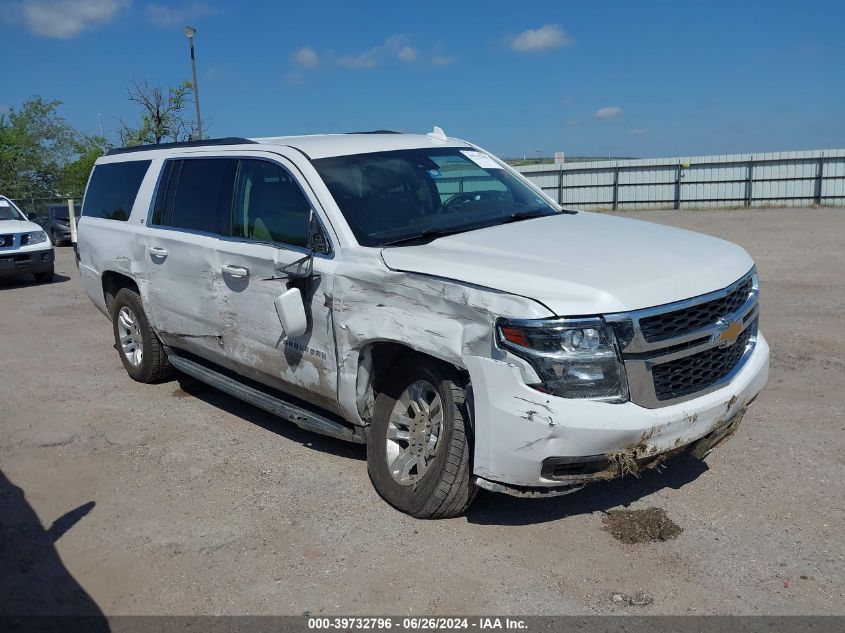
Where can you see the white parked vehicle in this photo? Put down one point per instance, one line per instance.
(24, 248)
(415, 293)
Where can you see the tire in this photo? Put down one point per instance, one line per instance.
(45, 277)
(445, 488)
(128, 318)
(55, 240)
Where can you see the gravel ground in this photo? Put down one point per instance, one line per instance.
(176, 499)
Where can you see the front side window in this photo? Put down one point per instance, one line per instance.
(410, 195)
(113, 189)
(269, 206)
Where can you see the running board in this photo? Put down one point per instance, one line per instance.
(303, 418)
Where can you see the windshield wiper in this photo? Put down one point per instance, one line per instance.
(428, 234)
(433, 234)
(525, 215)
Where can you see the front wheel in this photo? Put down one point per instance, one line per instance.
(418, 450)
(55, 240)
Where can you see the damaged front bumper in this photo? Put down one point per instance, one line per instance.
(532, 444)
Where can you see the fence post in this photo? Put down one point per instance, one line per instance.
(678, 187)
(615, 187)
(749, 185)
(70, 214)
(819, 180)
(560, 185)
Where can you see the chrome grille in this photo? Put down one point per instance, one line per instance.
(691, 374)
(677, 352)
(660, 327)
(7, 240)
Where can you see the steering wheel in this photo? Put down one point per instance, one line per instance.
(460, 199)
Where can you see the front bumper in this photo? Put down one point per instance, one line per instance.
(25, 261)
(525, 438)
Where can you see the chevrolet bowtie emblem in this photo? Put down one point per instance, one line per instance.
(727, 333)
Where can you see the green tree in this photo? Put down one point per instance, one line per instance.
(164, 115)
(74, 175)
(35, 142)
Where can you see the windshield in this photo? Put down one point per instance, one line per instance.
(393, 197)
(8, 211)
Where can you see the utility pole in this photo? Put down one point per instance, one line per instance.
(189, 32)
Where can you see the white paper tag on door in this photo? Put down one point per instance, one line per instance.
(481, 159)
(3, 203)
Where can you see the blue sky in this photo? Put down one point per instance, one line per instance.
(612, 77)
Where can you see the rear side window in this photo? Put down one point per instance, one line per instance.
(196, 194)
(113, 189)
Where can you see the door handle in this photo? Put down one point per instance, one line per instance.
(235, 271)
(157, 251)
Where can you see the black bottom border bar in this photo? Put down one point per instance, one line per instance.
(574, 624)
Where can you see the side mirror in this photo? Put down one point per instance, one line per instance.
(291, 311)
(32, 216)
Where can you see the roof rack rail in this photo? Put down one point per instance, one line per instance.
(376, 132)
(229, 140)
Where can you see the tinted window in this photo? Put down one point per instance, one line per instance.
(405, 195)
(113, 188)
(204, 194)
(269, 205)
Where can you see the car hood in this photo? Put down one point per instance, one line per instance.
(18, 226)
(581, 264)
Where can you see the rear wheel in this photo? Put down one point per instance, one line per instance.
(141, 352)
(418, 451)
(45, 277)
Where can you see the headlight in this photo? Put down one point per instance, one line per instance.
(36, 237)
(574, 358)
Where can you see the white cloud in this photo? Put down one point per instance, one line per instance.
(169, 16)
(608, 114)
(395, 46)
(638, 131)
(64, 19)
(366, 60)
(544, 38)
(306, 57)
(408, 54)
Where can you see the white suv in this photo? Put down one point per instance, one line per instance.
(24, 248)
(415, 293)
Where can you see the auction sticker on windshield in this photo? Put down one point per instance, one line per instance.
(481, 159)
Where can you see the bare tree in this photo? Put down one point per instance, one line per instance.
(163, 114)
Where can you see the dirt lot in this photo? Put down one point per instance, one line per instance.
(164, 500)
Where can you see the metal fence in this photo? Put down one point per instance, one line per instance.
(40, 206)
(810, 178)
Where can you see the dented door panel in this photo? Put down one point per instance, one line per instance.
(253, 338)
(182, 272)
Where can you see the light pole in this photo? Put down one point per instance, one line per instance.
(189, 33)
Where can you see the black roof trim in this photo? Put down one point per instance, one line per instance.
(376, 132)
(229, 140)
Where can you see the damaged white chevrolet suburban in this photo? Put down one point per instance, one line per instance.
(416, 294)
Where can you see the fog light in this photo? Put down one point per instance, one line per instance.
(46, 257)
